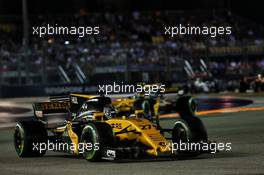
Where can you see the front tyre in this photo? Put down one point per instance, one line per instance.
(98, 135)
(182, 134)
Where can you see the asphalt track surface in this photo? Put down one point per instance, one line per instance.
(245, 130)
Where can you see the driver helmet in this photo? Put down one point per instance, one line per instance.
(109, 111)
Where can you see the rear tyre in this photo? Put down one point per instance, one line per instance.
(99, 135)
(186, 106)
(27, 135)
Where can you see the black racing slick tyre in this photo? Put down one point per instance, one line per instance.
(184, 133)
(186, 106)
(99, 135)
(28, 136)
(181, 132)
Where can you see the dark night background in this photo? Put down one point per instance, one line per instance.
(132, 47)
(249, 9)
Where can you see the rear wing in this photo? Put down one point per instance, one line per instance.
(60, 104)
(50, 107)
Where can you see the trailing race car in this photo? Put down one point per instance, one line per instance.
(155, 104)
(106, 133)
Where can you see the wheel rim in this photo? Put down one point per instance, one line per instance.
(19, 140)
(181, 134)
(88, 137)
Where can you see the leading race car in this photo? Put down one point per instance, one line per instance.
(96, 129)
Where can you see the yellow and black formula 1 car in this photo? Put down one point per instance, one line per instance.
(97, 130)
(155, 104)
